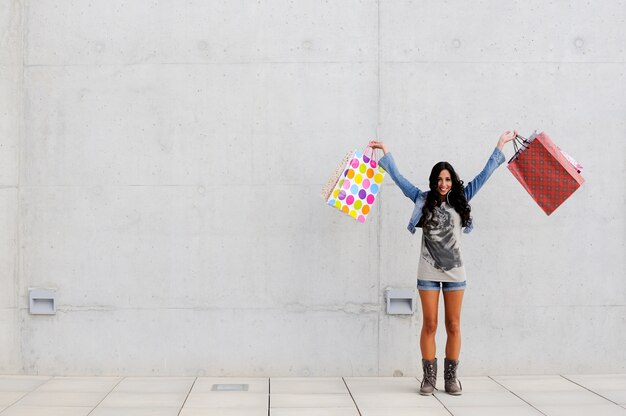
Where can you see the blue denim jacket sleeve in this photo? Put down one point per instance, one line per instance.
(495, 160)
(410, 191)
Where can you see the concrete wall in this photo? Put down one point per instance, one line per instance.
(171, 156)
(11, 92)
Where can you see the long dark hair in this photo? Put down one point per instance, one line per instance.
(455, 197)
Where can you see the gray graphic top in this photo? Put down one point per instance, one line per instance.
(440, 260)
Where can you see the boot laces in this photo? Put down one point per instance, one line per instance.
(450, 372)
(430, 376)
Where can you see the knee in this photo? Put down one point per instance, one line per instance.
(453, 327)
(430, 327)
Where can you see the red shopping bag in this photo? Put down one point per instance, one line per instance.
(545, 172)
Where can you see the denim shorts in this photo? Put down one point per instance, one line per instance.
(446, 286)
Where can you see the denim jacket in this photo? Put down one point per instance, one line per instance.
(419, 197)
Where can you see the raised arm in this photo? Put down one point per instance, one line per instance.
(495, 160)
(408, 189)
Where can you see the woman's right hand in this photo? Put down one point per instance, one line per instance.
(378, 145)
(506, 137)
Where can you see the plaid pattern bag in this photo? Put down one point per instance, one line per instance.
(548, 175)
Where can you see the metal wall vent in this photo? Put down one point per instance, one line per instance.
(41, 301)
(400, 301)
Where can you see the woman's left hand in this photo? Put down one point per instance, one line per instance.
(506, 137)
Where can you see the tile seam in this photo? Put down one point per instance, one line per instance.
(437, 398)
(516, 395)
(106, 395)
(588, 389)
(269, 396)
(351, 396)
(187, 396)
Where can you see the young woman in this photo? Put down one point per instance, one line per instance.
(442, 212)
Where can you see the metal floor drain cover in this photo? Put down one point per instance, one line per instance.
(230, 387)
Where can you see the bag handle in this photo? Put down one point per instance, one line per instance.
(522, 141)
(373, 153)
(520, 144)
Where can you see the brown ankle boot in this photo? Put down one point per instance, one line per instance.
(429, 381)
(453, 385)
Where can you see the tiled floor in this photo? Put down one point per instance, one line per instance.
(555, 395)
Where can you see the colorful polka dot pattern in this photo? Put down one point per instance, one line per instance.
(356, 190)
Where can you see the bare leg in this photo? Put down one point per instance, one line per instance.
(430, 304)
(452, 300)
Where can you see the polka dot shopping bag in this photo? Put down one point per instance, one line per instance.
(357, 185)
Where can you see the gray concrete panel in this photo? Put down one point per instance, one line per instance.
(196, 247)
(398, 345)
(8, 246)
(11, 32)
(543, 339)
(539, 340)
(10, 357)
(438, 110)
(497, 31)
(224, 342)
(10, 103)
(146, 125)
(117, 32)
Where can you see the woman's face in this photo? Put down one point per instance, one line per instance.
(444, 182)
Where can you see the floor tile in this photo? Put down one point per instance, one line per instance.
(473, 384)
(364, 385)
(393, 400)
(375, 396)
(308, 385)
(130, 411)
(61, 398)
(124, 399)
(46, 411)
(380, 380)
(600, 381)
(330, 411)
(611, 386)
(537, 383)
(616, 396)
(559, 398)
(80, 384)
(21, 383)
(230, 399)
(311, 400)
(7, 398)
(404, 411)
(205, 411)
(155, 384)
(255, 385)
(480, 398)
(494, 411)
(583, 410)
